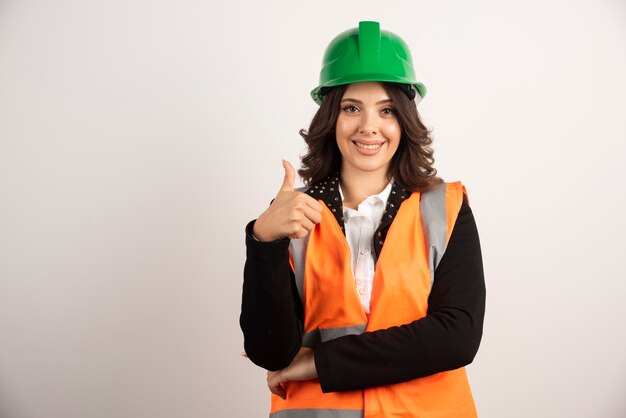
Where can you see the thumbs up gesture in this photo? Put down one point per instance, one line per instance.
(292, 214)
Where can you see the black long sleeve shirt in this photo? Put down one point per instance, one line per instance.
(446, 339)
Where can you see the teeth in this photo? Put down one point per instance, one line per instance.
(376, 146)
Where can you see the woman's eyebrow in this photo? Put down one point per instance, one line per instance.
(349, 99)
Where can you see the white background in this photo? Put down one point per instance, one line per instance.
(137, 138)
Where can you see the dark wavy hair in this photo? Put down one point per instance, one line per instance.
(411, 166)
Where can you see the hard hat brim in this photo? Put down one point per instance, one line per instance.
(319, 98)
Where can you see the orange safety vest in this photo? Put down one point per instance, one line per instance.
(402, 281)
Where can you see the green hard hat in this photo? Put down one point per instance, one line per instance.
(367, 54)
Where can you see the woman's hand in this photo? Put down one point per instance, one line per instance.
(292, 214)
(301, 368)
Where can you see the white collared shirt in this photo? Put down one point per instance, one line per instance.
(360, 226)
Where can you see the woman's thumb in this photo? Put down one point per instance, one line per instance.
(290, 177)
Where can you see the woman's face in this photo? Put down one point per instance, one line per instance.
(367, 130)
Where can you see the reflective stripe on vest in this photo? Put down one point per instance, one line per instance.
(317, 413)
(321, 335)
(404, 274)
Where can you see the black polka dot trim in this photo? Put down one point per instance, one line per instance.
(396, 197)
(327, 191)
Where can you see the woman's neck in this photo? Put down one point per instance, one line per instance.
(357, 186)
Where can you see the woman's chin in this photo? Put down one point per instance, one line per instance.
(368, 167)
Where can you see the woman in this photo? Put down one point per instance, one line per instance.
(364, 293)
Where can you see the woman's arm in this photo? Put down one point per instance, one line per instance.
(271, 311)
(446, 339)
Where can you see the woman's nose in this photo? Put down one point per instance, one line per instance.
(368, 124)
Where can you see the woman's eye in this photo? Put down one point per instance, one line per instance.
(389, 111)
(350, 109)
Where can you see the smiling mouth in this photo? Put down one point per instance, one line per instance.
(366, 146)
